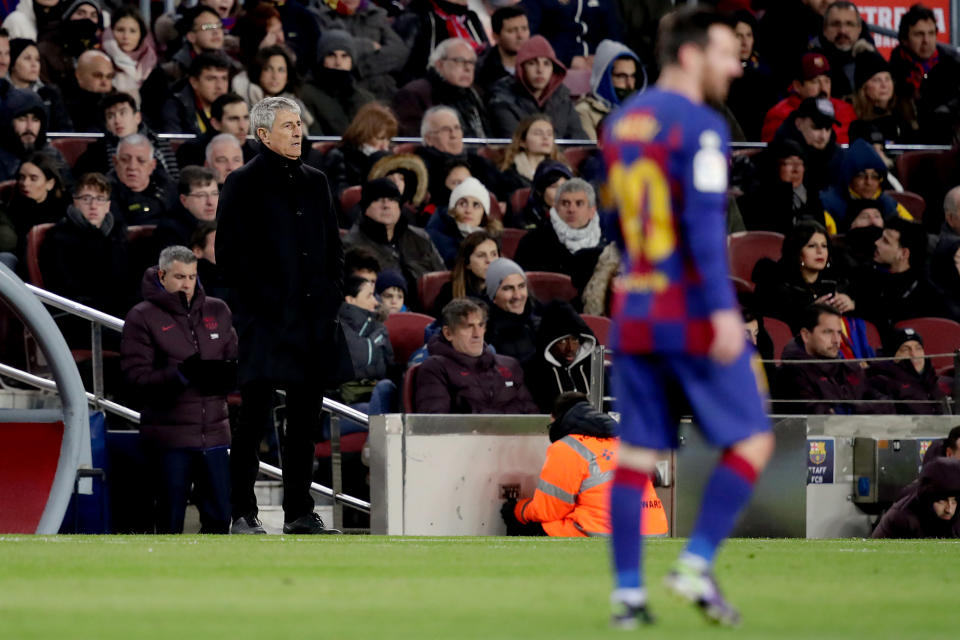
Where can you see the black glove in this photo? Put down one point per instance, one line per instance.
(506, 512)
(190, 368)
(217, 377)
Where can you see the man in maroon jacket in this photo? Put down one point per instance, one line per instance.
(178, 351)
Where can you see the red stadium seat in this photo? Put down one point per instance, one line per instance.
(349, 443)
(747, 247)
(779, 333)
(873, 336)
(323, 147)
(409, 384)
(350, 198)
(574, 157)
(405, 329)
(140, 232)
(912, 202)
(546, 286)
(7, 187)
(35, 238)
(741, 285)
(428, 287)
(71, 148)
(510, 240)
(578, 82)
(600, 325)
(911, 163)
(940, 335)
(497, 208)
(406, 147)
(493, 154)
(518, 199)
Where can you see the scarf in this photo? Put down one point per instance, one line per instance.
(919, 68)
(132, 68)
(466, 229)
(74, 215)
(574, 240)
(456, 23)
(525, 165)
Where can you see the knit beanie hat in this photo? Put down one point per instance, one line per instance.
(897, 338)
(333, 40)
(377, 189)
(498, 270)
(470, 187)
(18, 46)
(390, 278)
(867, 65)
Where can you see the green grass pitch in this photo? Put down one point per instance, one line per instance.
(184, 587)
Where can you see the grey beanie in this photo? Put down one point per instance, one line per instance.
(498, 270)
(333, 40)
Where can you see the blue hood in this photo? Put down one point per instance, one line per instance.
(861, 156)
(601, 84)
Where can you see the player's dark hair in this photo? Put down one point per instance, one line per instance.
(912, 237)
(565, 401)
(685, 26)
(360, 259)
(352, 285)
(216, 109)
(810, 317)
(915, 14)
(114, 98)
(505, 13)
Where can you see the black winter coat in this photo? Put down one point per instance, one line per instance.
(900, 381)
(174, 229)
(368, 341)
(414, 98)
(541, 250)
(514, 334)
(912, 516)
(144, 207)
(279, 248)
(159, 334)
(333, 106)
(509, 102)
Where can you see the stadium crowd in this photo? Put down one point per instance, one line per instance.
(433, 223)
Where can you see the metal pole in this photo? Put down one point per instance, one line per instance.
(336, 469)
(955, 22)
(956, 380)
(96, 362)
(596, 378)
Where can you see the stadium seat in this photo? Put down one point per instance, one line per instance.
(940, 335)
(911, 163)
(912, 202)
(518, 199)
(873, 336)
(497, 208)
(574, 157)
(577, 81)
(741, 285)
(546, 286)
(7, 187)
(428, 287)
(323, 147)
(409, 382)
(349, 443)
(405, 329)
(600, 325)
(350, 198)
(492, 153)
(405, 147)
(71, 148)
(779, 333)
(140, 232)
(35, 238)
(747, 247)
(510, 240)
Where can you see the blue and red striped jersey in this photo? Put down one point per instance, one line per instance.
(667, 161)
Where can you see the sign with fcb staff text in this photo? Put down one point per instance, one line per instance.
(887, 14)
(820, 460)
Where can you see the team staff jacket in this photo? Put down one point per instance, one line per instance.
(572, 498)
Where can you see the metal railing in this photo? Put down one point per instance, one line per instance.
(98, 320)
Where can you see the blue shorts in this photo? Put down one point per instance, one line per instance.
(654, 391)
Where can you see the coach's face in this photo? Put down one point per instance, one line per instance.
(285, 137)
(722, 62)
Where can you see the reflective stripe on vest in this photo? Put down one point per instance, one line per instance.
(555, 491)
(595, 478)
(590, 534)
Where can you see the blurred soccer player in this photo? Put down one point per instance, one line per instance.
(677, 326)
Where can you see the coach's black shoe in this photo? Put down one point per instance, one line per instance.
(308, 524)
(626, 616)
(247, 524)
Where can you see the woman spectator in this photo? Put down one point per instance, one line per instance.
(25, 74)
(779, 198)
(875, 100)
(468, 278)
(257, 28)
(130, 45)
(467, 211)
(369, 133)
(802, 276)
(549, 176)
(272, 73)
(532, 143)
(39, 198)
(752, 94)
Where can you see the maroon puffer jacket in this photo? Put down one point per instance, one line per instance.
(159, 334)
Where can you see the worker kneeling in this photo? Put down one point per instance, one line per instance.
(573, 492)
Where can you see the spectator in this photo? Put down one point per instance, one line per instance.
(93, 80)
(257, 27)
(370, 132)
(360, 261)
(842, 29)
(272, 73)
(910, 379)
(855, 245)
(947, 243)
(121, 117)
(409, 173)
(394, 242)
(378, 52)
(134, 53)
(468, 277)
(930, 509)
(785, 32)
(182, 378)
(189, 109)
(288, 278)
(332, 92)
(564, 355)
(198, 201)
(863, 174)
(572, 498)
(548, 178)
(616, 76)
(448, 81)
(391, 289)
(537, 88)
(203, 242)
(514, 319)
(875, 101)
(4, 52)
(24, 65)
(920, 73)
(84, 256)
(462, 376)
(573, 240)
(142, 192)
(31, 20)
(228, 114)
(948, 447)
(468, 211)
(202, 31)
(802, 276)
(574, 30)
(812, 81)
(224, 155)
(511, 29)
(427, 23)
(39, 199)
(301, 32)
(752, 94)
(810, 125)
(79, 30)
(825, 387)
(532, 143)
(23, 131)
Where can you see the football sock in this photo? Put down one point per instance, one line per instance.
(728, 492)
(626, 508)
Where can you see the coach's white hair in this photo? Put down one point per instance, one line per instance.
(264, 113)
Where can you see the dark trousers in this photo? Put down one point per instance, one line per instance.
(175, 471)
(303, 417)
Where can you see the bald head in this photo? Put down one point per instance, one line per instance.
(94, 71)
(951, 209)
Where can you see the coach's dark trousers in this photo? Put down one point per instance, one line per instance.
(303, 415)
(181, 473)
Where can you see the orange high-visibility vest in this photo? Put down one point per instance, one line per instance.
(573, 492)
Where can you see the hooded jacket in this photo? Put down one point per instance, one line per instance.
(20, 102)
(511, 99)
(159, 334)
(333, 96)
(368, 342)
(548, 376)
(913, 516)
(536, 211)
(602, 99)
(451, 382)
(859, 157)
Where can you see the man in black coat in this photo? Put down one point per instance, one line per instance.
(929, 510)
(279, 248)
